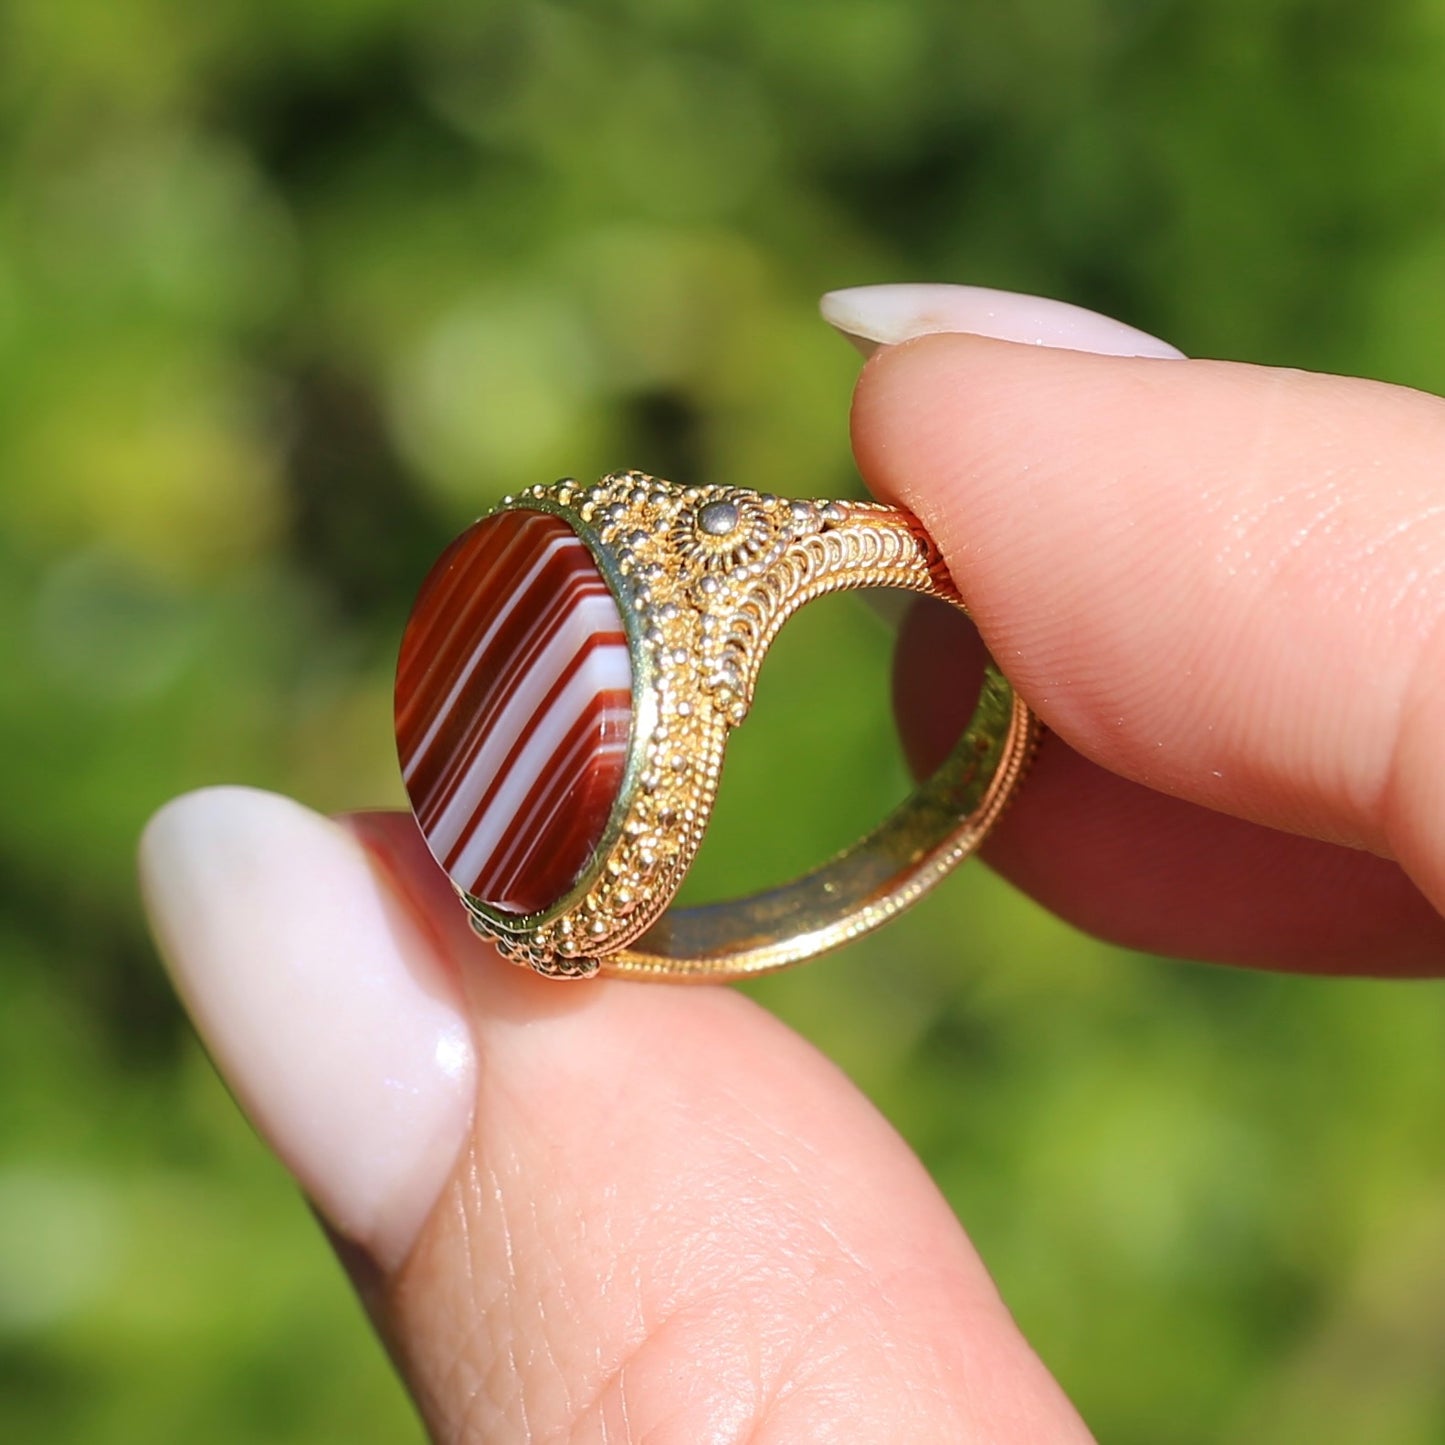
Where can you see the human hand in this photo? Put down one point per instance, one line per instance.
(615, 1211)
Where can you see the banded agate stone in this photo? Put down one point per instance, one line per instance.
(513, 709)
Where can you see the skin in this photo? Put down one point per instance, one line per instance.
(1221, 586)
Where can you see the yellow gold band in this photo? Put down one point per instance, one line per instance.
(921, 841)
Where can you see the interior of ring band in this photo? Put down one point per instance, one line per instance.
(859, 887)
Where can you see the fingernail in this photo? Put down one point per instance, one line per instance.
(322, 1002)
(874, 316)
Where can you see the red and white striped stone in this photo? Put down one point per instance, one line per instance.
(513, 709)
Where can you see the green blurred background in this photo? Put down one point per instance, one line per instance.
(289, 289)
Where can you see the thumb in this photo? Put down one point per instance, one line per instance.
(604, 1210)
(1225, 582)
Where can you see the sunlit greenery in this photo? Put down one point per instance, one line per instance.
(289, 289)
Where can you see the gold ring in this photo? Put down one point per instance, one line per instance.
(567, 683)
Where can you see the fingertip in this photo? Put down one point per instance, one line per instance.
(322, 1003)
(1211, 578)
(945, 418)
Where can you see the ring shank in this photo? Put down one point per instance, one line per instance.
(865, 885)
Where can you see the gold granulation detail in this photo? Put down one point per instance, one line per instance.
(703, 602)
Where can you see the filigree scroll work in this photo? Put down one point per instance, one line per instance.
(704, 578)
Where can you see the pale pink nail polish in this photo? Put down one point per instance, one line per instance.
(874, 316)
(324, 1004)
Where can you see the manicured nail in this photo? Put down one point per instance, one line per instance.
(874, 316)
(323, 1003)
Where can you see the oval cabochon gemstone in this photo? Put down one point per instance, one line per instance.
(514, 709)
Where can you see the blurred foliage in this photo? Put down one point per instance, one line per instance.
(289, 289)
